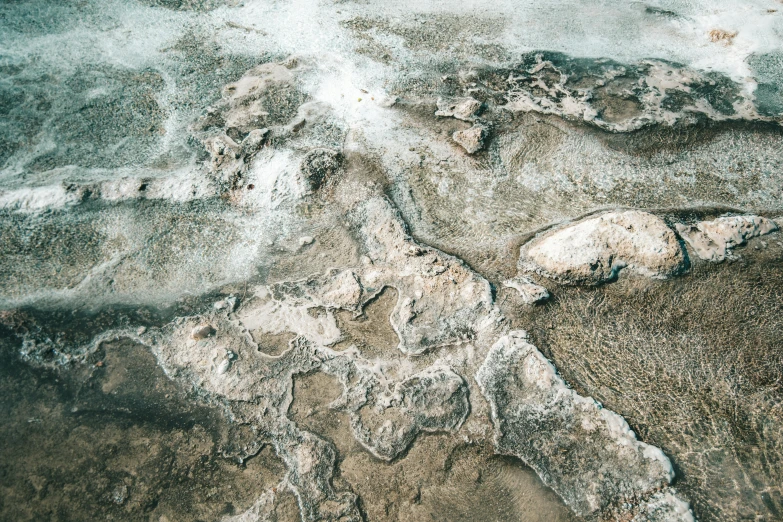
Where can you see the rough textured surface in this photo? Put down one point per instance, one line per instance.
(621, 97)
(460, 108)
(472, 139)
(714, 240)
(440, 300)
(253, 255)
(683, 360)
(586, 453)
(664, 506)
(596, 249)
(529, 292)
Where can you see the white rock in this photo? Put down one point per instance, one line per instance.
(440, 300)
(595, 249)
(306, 240)
(714, 240)
(472, 139)
(254, 140)
(664, 506)
(587, 454)
(229, 304)
(223, 367)
(529, 291)
(460, 108)
(119, 494)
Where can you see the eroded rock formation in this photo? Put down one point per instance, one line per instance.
(586, 453)
(714, 240)
(595, 249)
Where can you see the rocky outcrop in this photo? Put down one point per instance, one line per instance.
(621, 97)
(596, 249)
(248, 104)
(714, 240)
(586, 453)
(265, 101)
(441, 301)
(304, 307)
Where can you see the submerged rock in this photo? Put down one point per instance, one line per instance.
(594, 250)
(460, 108)
(714, 240)
(472, 139)
(586, 453)
(530, 292)
(433, 400)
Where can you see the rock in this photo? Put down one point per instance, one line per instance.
(594, 250)
(472, 139)
(264, 98)
(229, 304)
(246, 104)
(223, 151)
(305, 307)
(529, 291)
(297, 125)
(202, 332)
(306, 240)
(254, 140)
(440, 300)
(343, 291)
(544, 83)
(223, 366)
(587, 454)
(227, 159)
(119, 494)
(319, 166)
(714, 240)
(460, 108)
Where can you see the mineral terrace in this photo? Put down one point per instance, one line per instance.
(391, 261)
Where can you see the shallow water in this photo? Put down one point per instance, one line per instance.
(253, 256)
